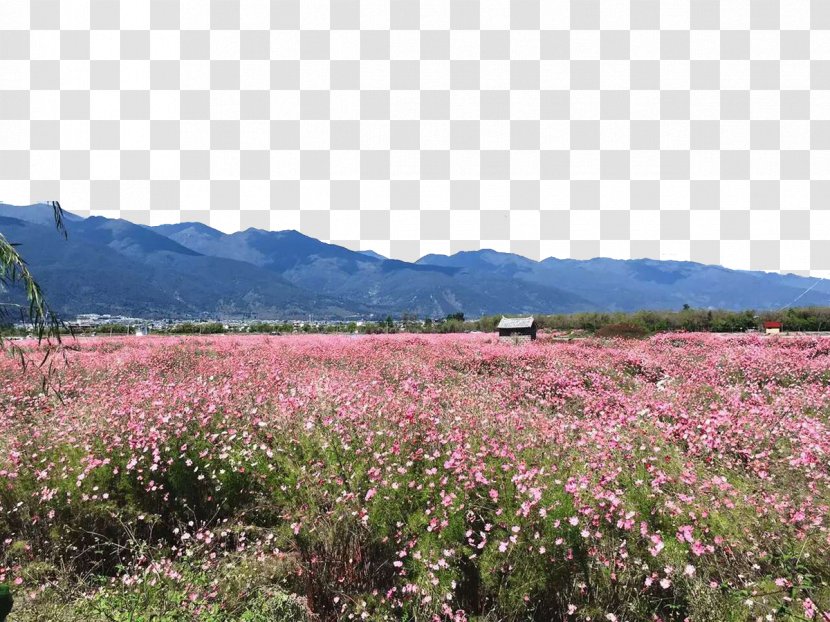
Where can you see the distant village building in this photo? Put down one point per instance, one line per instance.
(772, 328)
(517, 329)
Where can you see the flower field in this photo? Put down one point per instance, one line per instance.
(443, 478)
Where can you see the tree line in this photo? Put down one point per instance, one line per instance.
(648, 322)
(686, 319)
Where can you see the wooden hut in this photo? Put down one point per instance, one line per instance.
(772, 328)
(517, 329)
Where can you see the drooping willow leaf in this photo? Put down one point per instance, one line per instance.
(45, 323)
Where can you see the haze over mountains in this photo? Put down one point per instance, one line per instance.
(189, 269)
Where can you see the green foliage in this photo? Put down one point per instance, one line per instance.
(624, 330)
(13, 271)
(638, 323)
(165, 603)
(43, 321)
(201, 328)
(688, 319)
(6, 601)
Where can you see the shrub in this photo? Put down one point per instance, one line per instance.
(622, 330)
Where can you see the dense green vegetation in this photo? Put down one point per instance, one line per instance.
(644, 322)
(687, 319)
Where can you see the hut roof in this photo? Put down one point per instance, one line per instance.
(516, 322)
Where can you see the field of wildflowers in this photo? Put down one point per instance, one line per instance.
(434, 478)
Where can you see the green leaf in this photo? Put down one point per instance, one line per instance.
(46, 324)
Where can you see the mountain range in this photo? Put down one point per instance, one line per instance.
(189, 270)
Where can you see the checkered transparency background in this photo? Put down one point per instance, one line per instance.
(674, 129)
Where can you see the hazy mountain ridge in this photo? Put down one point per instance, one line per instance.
(110, 266)
(115, 266)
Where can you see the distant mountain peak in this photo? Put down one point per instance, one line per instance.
(371, 253)
(191, 226)
(37, 213)
(484, 259)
